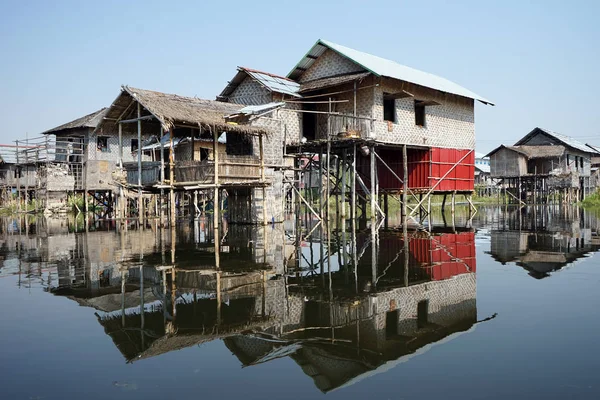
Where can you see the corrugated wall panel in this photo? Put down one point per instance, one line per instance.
(460, 177)
(418, 168)
(447, 255)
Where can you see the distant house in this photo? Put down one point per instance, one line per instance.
(595, 167)
(483, 178)
(543, 162)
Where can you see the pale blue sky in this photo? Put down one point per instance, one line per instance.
(538, 60)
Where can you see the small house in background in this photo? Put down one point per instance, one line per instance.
(18, 172)
(484, 184)
(544, 164)
(595, 167)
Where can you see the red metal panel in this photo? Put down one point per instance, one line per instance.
(418, 168)
(447, 255)
(459, 177)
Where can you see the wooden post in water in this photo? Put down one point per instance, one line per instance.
(373, 183)
(353, 185)
(344, 167)
(262, 177)
(139, 161)
(404, 186)
(216, 183)
(172, 176)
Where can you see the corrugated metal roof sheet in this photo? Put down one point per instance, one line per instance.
(594, 148)
(383, 67)
(483, 168)
(568, 141)
(259, 109)
(275, 83)
(272, 82)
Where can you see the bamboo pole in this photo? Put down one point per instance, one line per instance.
(328, 157)
(405, 185)
(353, 184)
(373, 183)
(344, 167)
(172, 176)
(139, 157)
(216, 189)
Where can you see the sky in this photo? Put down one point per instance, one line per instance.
(537, 60)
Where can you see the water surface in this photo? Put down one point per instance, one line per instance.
(503, 305)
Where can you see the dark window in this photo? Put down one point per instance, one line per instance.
(419, 113)
(105, 278)
(391, 324)
(134, 145)
(581, 162)
(239, 145)
(389, 108)
(422, 313)
(309, 121)
(102, 143)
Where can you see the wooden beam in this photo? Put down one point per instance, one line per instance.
(144, 118)
(398, 95)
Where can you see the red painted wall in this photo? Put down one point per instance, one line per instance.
(447, 255)
(426, 167)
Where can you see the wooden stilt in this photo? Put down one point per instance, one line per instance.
(373, 183)
(139, 161)
(216, 210)
(172, 177)
(353, 184)
(405, 195)
(344, 168)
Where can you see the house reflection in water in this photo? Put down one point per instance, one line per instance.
(545, 240)
(266, 299)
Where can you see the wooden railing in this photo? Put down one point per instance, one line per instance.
(350, 126)
(231, 169)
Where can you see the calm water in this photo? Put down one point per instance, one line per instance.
(505, 305)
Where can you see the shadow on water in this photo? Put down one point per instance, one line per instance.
(342, 303)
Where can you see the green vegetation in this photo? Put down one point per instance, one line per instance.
(76, 204)
(592, 201)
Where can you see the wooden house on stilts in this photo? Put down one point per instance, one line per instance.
(374, 127)
(545, 166)
(188, 146)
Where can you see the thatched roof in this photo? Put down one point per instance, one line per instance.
(533, 152)
(88, 121)
(171, 110)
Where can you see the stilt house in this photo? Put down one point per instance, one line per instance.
(343, 98)
(192, 144)
(543, 163)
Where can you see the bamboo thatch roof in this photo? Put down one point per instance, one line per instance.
(533, 152)
(88, 121)
(171, 110)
